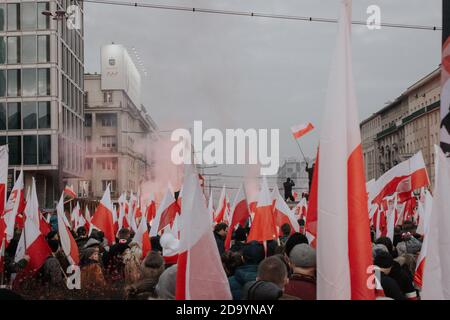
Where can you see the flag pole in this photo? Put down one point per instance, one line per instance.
(304, 158)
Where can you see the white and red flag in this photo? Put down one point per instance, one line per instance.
(221, 207)
(142, 237)
(239, 214)
(15, 207)
(74, 216)
(404, 178)
(436, 271)
(263, 225)
(151, 208)
(165, 214)
(344, 250)
(3, 177)
(69, 192)
(103, 217)
(122, 220)
(300, 130)
(200, 276)
(283, 214)
(68, 243)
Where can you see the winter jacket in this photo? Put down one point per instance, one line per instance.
(242, 275)
(220, 243)
(302, 286)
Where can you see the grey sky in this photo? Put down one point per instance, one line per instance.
(243, 72)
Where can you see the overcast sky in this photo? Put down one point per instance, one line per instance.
(247, 72)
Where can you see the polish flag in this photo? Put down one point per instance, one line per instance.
(221, 207)
(423, 229)
(75, 215)
(33, 244)
(122, 221)
(151, 208)
(405, 177)
(283, 214)
(239, 214)
(103, 216)
(68, 243)
(311, 216)
(300, 130)
(263, 225)
(14, 207)
(87, 217)
(132, 219)
(200, 276)
(3, 176)
(391, 217)
(165, 214)
(436, 271)
(69, 192)
(344, 250)
(142, 237)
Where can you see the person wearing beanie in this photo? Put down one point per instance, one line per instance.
(93, 284)
(252, 254)
(169, 245)
(293, 240)
(302, 283)
(165, 289)
(384, 261)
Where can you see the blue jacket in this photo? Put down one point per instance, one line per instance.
(242, 275)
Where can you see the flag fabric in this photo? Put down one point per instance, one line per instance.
(151, 208)
(221, 207)
(436, 271)
(103, 216)
(142, 238)
(344, 250)
(403, 179)
(300, 130)
(239, 214)
(311, 216)
(211, 207)
(165, 214)
(263, 225)
(3, 177)
(200, 276)
(14, 207)
(68, 243)
(74, 216)
(283, 214)
(69, 192)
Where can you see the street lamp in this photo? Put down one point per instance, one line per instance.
(57, 15)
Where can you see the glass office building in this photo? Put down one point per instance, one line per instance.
(41, 94)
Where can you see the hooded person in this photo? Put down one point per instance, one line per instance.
(302, 283)
(240, 236)
(252, 254)
(170, 247)
(165, 289)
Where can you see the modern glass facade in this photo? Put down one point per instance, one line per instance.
(41, 72)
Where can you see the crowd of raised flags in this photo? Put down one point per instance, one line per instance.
(347, 239)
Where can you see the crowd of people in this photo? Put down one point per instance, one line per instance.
(284, 268)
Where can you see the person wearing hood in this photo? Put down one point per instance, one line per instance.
(384, 261)
(271, 279)
(252, 255)
(170, 246)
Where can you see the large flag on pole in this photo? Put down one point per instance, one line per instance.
(344, 251)
(165, 214)
(436, 271)
(300, 130)
(200, 276)
(14, 207)
(103, 216)
(239, 214)
(3, 177)
(283, 214)
(68, 243)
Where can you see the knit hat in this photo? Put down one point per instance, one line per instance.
(169, 244)
(376, 248)
(383, 259)
(167, 283)
(303, 256)
(253, 252)
(294, 239)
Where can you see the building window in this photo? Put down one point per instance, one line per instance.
(108, 142)
(13, 50)
(108, 164)
(88, 120)
(44, 115)
(88, 164)
(28, 82)
(112, 185)
(29, 116)
(30, 149)
(15, 149)
(2, 17)
(2, 115)
(13, 82)
(29, 49)
(44, 82)
(45, 149)
(2, 83)
(13, 16)
(42, 21)
(29, 16)
(107, 96)
(14, 116)
(43, 43)
(108, 119)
